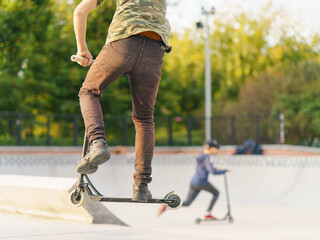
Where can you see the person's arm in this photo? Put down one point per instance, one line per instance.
(80, 27)
(210, 168)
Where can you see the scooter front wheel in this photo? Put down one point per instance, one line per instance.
(177, 201)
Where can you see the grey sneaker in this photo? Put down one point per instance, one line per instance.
(97, 154)
(141, 192)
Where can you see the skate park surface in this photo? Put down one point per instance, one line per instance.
(272, 197)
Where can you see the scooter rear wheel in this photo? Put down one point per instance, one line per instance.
(77, 199)
(198, 220)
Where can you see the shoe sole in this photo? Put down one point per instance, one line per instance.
(140, 198)
(92, 167)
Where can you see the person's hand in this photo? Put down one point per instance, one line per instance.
(228, 170)
(88, 58)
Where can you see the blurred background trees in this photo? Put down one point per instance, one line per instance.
(259, 65)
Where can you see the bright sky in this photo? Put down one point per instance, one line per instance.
(187, 12)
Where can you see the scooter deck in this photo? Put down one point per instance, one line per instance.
(227, 217)
(172, 199)
(126, 200)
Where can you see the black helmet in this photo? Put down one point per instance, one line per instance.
(212, 143)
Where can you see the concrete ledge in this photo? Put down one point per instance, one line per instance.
(49, 197)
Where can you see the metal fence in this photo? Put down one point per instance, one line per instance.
(67, 129)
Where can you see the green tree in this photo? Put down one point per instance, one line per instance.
(181, 87)
(299, 101)
(254, 70)
(238, 51)
(37, 41)
(23, 37)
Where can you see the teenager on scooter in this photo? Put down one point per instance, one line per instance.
(138, 37)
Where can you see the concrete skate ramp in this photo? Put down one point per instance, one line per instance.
(49, 197)
(280, 180)
(273, 180)
(270, 180)
(267, 180)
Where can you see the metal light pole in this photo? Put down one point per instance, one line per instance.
(208, 97)
(282, 132)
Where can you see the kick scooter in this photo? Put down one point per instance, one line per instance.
(77, 197)
(228, 215)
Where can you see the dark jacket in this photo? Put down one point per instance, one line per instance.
(204, 167)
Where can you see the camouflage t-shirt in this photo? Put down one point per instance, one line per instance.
(136, 16)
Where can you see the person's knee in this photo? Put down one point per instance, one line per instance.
(84, 92)
(186, 204)
(145, 120)
(216, 194)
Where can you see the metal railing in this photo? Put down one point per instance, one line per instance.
(26, 129)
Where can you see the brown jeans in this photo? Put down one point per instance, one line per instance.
(140, 58)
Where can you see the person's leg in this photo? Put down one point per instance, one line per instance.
(144, 82)
(107, 67)
(210, 188)
(92, 115)
(193, 193)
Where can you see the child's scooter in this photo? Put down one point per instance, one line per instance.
(228, 215)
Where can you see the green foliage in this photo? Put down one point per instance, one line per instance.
(181, 88)
(290, 89)
(37, 41)
(300, 103)
(238, 46)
